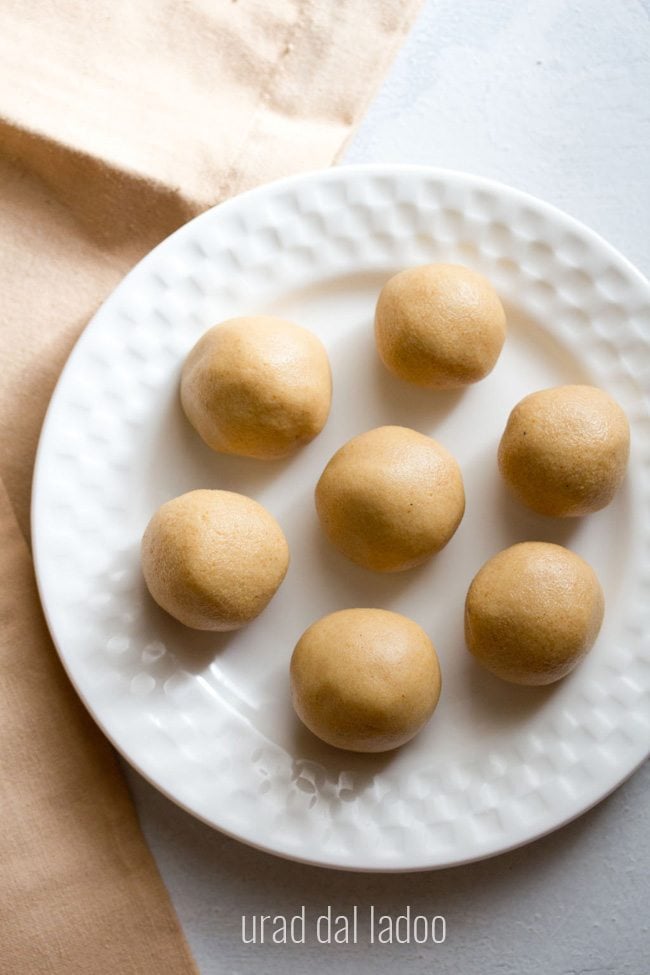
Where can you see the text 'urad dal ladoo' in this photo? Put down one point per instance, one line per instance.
(439, 325)
(532, 612)
(390, 498)
(213, 559)
(257, 386)
(564, 450)
(366, 680)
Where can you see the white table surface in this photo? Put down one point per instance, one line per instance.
(553, 97)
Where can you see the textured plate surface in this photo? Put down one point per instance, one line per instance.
(207, 718)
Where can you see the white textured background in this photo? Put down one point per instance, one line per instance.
(553, 97)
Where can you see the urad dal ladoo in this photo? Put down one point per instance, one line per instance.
(564, 450)
(213, 559)
(390, 498)
(258, 387)
(366, 680)
(439, 325)
(532, 613)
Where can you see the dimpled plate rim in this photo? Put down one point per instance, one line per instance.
(321, 222)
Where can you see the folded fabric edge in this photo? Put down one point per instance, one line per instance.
(67, 809)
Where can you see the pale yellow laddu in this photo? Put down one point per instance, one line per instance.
(213, 559)
(532, 612)
(118, 122)
(257, 386)
(564, 450)
(439, 325)
(390, 498)
(366, 680)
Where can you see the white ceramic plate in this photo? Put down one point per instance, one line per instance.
(207, 718)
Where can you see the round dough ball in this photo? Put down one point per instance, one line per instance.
(213, 559)
(390, 498)
(258, 387)
(440, 325)
(365, 679)
(564, 450)
(532, 612)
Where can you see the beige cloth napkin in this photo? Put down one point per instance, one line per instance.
(119, 121)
